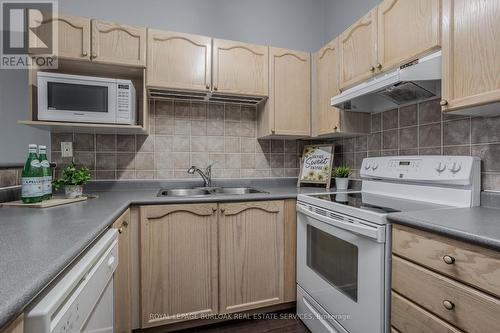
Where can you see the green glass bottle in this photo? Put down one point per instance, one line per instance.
(32, 191)
(46, 173)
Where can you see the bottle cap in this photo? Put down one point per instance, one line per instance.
(32, 145)
(42, 147)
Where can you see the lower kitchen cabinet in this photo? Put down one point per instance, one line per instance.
(443, 285)
(178, 262)
(17, 326)
(251, 255)
(122, 278)
(204, 259)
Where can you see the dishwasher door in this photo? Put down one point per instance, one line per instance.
(81, 300)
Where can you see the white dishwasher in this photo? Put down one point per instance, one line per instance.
(82, 299)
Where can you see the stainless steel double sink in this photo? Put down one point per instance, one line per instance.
(207, 191)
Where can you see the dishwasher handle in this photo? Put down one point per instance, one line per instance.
(373, 232)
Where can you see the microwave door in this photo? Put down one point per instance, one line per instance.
(63, 99)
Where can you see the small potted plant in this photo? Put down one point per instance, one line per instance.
(341, 175)
(72, 179)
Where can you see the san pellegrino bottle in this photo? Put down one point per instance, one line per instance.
(32, 191)
(46, 173)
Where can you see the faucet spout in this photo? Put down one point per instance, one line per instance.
(205, 175)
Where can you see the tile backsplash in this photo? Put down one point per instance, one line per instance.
(184, 134)
(422, 129)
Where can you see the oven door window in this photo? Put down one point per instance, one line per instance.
(334, 259)
(77, 97)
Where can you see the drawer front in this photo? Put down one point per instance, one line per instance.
(461, 261)
(408, 317)
(468, 308)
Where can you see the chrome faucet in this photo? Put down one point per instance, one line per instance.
(206, 175)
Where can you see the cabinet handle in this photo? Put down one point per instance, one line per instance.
(215, 88)
(443, 102)
(335, 128)
(207, 86)
(372, 68)
(379, 66)
(448, 259)
(94, 55)
(214, 209)
(120, 230)
(223, 210)
(448, 305)
(84, 54)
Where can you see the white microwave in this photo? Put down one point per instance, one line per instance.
(76, 98)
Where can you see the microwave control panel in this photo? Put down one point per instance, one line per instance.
(125, 102)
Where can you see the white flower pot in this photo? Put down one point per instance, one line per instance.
(341, 183)
(73, 191)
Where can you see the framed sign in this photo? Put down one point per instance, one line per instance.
(316, 165)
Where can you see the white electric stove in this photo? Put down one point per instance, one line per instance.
(343, 238)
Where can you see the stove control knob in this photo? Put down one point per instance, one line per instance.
(368, 165)
(374, 165)
(455, 167)
(440, 167)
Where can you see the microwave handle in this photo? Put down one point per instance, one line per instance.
(376, 233)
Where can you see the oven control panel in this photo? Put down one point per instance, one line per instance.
(457, 170)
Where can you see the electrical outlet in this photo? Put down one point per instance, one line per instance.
(66, 149)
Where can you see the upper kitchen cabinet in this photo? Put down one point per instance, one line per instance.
(251, 236)
(328, 120)
(114, 43)
(406, 30)
(178, 61)
(358, 50)
(240, 68)
(73, 32)
(178, 262)
(287, 113)
(471, 53)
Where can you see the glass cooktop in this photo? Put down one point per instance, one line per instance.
(373, 202)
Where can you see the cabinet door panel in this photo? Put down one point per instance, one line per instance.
(178, 262)
(179, 61)
(328, 117)
(471, 49)
(251, 255)
(123, 310)
(240, 68)
(73, 40)
(407, 29)
(120, 44)
(358, 50)
(290, 101)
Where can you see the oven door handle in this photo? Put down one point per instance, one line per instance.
(376, 233)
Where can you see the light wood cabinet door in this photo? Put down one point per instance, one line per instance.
(123, 312)
(358, 50)
(178, 262)
(178, 61)
(240, 68)
(73, 40)
(406, 30)
(328, 117)
(290, 92)
(251, 255)
(17, 326)
(114, 43)
(471, 53)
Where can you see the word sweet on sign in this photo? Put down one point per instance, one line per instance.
(316, 165)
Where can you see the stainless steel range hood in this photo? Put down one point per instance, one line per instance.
(416, 81)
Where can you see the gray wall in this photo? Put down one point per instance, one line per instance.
(340, 14)
(293, 24)
(14, 138)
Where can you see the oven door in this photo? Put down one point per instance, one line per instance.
(76, 100)
(341, 265)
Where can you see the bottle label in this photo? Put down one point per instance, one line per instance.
(32, 187)
(45, 164)
(35, 164)
(47, 185)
